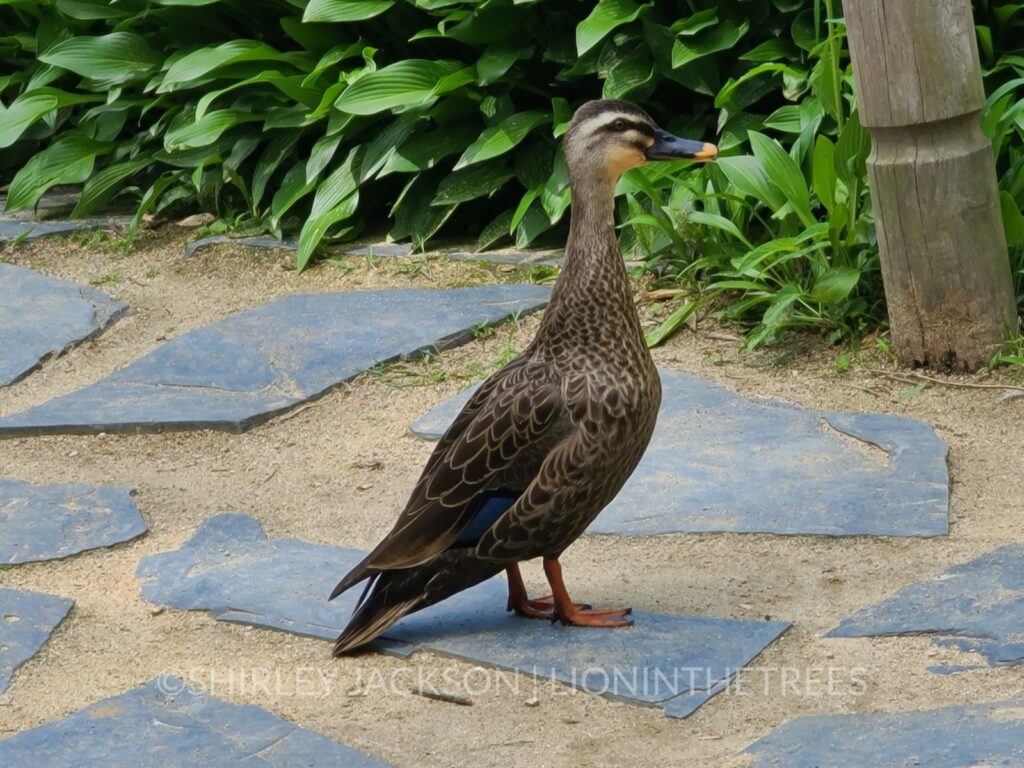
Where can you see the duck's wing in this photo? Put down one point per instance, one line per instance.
(567, 487)
(507, 419)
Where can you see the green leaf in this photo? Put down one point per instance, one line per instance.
(749, 177)
(423, 151)
(415, 217)
(784, 173)
(193, 67)
(405, 84)
(344, 10)
(606, 16)
(1013, 221)
(340, 184)
(835, 285)
(316, 227)
(688, 48)
(480, 180)
(495, 231)
(104, 186)
(824, 171)
(89, 10)
(321, 155)
(270, 161)
(68, 161)
(293, 188)
(206, 130)
(499, 139)
(716, 221)
(496, 61)
(119, 57)
(24, 111)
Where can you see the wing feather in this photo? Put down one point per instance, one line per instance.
(509, 419)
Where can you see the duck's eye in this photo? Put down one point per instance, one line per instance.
(619, 125)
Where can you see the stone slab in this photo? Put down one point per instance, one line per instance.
(41, 317)
(722, 462)
(48, 522)
(268, 242)
(27, 619)
(233, 570)
(976, 606)
(250, 366)
(164, 723)
(19, 229)
(952, 737)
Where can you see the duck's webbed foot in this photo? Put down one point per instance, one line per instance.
(576, 615)
(533, 608)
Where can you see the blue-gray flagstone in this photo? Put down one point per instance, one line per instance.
(233, 570)
(244, 369)
(27, 619)
(19, 230)
(976, 606)
(166, 724)
(41, 317)
(48, 522)
(722, 462)
(952, 737)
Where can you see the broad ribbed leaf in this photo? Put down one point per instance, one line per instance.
(89, 10)
(824, 172)
(103, 186)
(1013, 221)
(748, 176)
(24, 111)
(784, 173)
(470, 183)
(321, 155)
(499, 139)
(316, 227)
(345, 10)
(69, 161)
(293, 188)
(341, 183)
(716, 221)
(198, 64)
(406, 84)
(606, 16)
(117, 58)
(421, 152)
(497, 230)
(718, 37)
(205, 130)
(270, 161)
(835, 285)
(496, 61)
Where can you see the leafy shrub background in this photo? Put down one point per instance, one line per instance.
(330, 117)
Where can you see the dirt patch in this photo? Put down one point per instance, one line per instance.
(338, 471)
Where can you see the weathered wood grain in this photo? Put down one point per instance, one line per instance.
(932, 175)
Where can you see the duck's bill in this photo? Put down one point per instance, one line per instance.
(669, 147)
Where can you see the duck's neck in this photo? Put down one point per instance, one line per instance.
(593, 283)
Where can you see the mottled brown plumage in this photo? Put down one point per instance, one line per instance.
(547, 441)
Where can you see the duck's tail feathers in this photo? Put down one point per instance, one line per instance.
(353, 577)
(395, 593)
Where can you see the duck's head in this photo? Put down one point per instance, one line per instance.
(607, 137)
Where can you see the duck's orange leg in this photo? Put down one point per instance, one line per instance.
(577, 615)
(520, 602)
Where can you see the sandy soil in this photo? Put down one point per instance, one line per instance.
(337, 472)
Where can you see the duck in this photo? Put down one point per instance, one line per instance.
(547, 441)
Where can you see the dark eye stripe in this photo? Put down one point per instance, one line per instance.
(643, 128)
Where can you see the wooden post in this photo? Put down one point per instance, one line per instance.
(933, 183)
